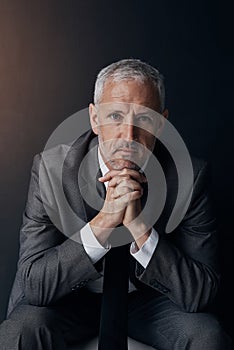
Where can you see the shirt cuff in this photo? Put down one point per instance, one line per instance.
(145, 253)
(91, 245)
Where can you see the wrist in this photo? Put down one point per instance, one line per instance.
(140, 232)
(102, 226)
(141, 240)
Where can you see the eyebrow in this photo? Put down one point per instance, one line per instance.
(114, 111)
(136, 114)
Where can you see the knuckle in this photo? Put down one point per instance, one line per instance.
(125, 182)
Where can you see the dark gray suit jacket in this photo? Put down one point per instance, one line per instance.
(183, 267)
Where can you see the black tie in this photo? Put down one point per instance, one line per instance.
(113, 324)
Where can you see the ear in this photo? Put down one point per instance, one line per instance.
(165, 113)
(93, 118)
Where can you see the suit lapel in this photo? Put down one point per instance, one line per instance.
(93, 191)
(169, 169)
(79, 176)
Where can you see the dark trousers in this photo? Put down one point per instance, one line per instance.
(152, 319)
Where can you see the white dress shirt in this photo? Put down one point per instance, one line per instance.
(96, 251)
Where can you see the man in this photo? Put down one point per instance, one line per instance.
(56, 298)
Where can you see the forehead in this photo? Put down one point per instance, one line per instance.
(131, 91)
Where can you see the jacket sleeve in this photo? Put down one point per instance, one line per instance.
(184, 265)
(51, 265)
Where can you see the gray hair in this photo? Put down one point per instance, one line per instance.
(133, 69)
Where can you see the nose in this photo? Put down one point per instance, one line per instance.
(129, 131)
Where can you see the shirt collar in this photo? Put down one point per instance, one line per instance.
(104, 169)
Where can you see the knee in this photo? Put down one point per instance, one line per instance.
(31, 327)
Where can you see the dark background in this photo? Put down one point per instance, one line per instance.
(50, 53)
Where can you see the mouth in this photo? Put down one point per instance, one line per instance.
(126, 150)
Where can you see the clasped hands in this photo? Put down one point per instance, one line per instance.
(122, 205)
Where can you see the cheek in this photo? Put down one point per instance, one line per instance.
(147, 140)
(108, 133)
(151, 143)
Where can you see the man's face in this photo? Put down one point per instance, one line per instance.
(126, 122)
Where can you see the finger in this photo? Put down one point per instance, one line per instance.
(129, 197)
(109, 175)
(123, 179)
(124, 172)
(131, 185)
(121, 191)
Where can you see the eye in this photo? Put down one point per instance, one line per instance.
(115, 117)
(144, 119)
